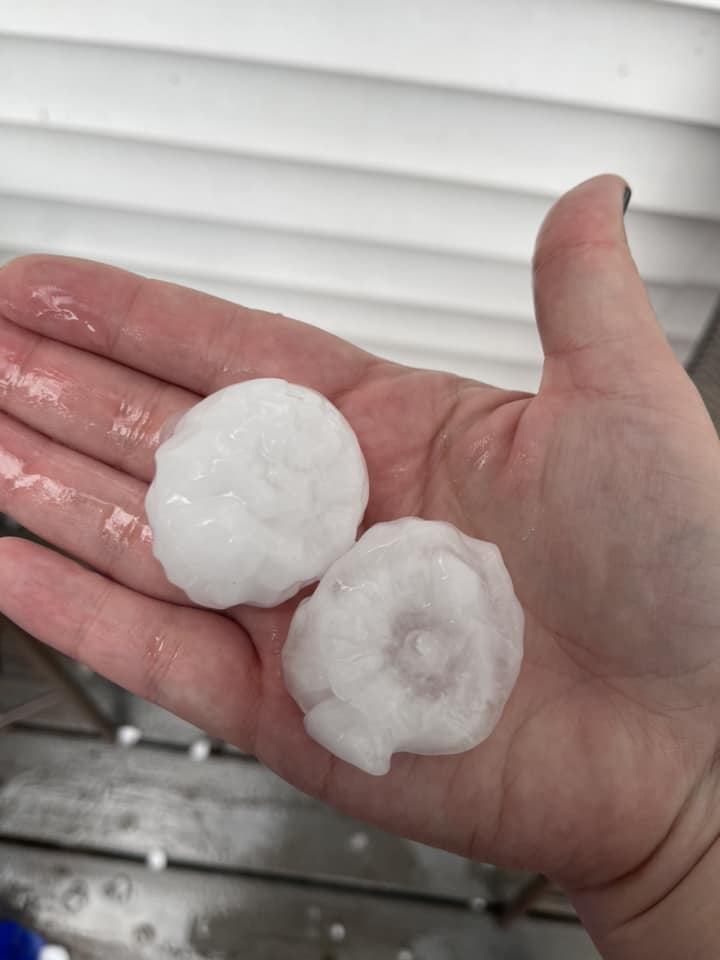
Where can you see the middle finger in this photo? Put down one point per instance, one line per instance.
(90, 404)
(83, 507)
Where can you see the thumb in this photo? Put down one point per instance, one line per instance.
(598, 329)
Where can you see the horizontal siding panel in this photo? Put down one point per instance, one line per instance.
(317, 199)
(412, 281)
(675, 249)
(365, 124)
(631, 56)
(286, 160)
(670, 250)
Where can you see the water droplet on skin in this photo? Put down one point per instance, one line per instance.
(12, 470)
(122, 527)
(44, 389)
(130, 425)
(57, 306)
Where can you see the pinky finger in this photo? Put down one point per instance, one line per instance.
(197, 664)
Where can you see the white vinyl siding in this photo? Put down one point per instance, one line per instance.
(377, 168)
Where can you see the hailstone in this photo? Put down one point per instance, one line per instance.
(412, 642)
(258, 489)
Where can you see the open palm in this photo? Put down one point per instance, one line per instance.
(601, 493)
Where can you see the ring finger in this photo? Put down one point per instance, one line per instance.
(85, 402)
(83, 507)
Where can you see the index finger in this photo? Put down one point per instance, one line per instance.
(177, 334)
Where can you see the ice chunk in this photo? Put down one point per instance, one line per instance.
(258, 489)
(412, 642)
(52, 951)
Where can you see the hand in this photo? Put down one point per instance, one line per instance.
(601, 491)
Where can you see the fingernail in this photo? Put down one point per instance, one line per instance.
(626, 198)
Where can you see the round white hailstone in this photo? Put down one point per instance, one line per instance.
(260, 487)
(128, 735)
(52, 951)
(156, 859)
(412, 642)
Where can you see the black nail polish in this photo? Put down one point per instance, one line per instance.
(626, 198)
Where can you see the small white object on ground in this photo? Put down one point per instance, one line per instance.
(199, 750)
(260, 487)
(52, 951)
(156, 859)
(128, 735)
(359, 842)
(412, 642)
(337, 932)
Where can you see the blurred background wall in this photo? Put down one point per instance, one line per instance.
(377, 168)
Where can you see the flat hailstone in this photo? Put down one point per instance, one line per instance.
(260, 487)
(412, 642)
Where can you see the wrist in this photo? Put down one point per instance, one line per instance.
(668, 907)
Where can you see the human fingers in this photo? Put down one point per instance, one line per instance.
(598, 329)
(83, 507)
(88, 403)
(197, 664)
(179, 335)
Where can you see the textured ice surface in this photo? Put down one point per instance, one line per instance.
(412, 642)
(260, 487)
